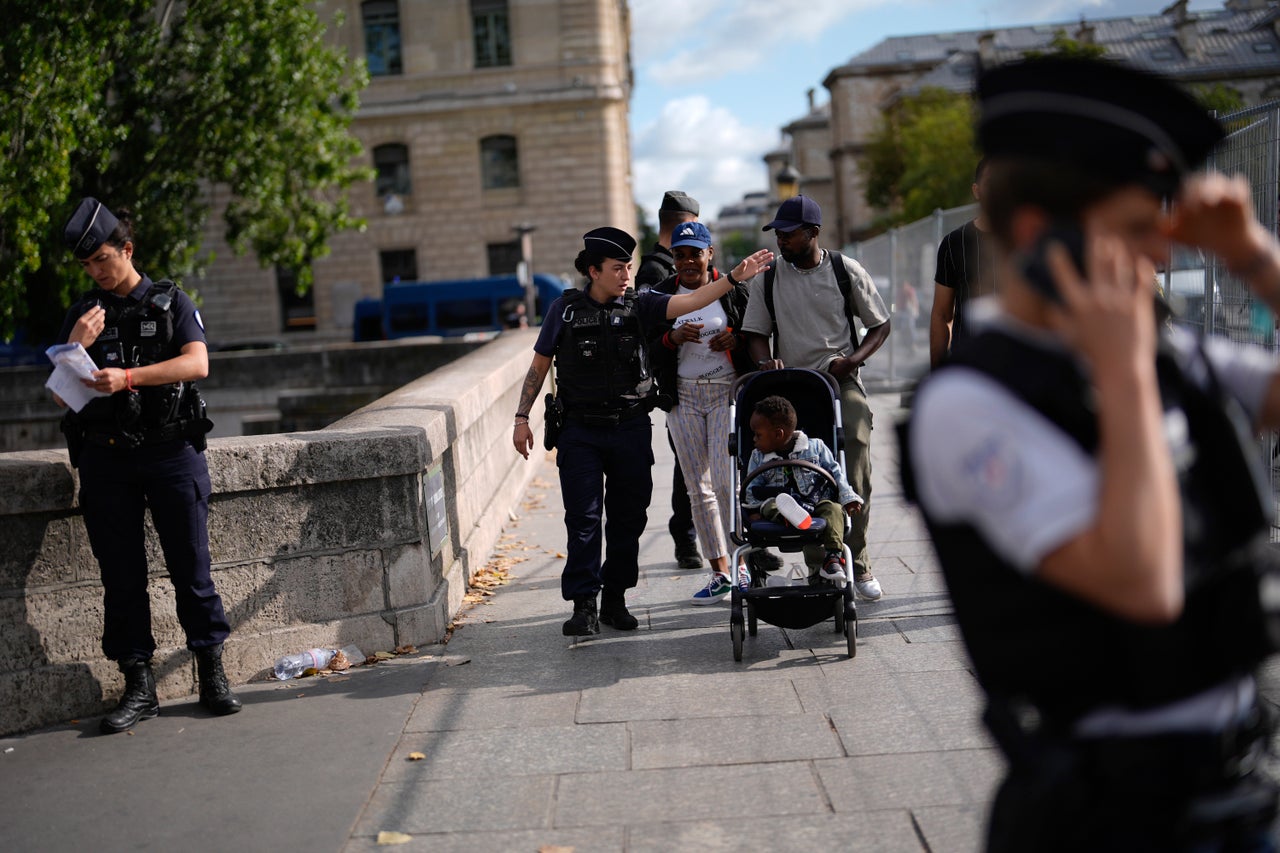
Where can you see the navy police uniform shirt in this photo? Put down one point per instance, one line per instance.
(650, 307)
(187, 325)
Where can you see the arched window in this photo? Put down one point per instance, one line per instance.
(381, 36)
(392, 164)
(491, 33)
(499, 162)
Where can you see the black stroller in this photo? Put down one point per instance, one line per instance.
(816, 398)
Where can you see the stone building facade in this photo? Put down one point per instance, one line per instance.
(1237, 46)
(481, 116)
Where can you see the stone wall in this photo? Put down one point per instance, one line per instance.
(252, 392)
(364, 532)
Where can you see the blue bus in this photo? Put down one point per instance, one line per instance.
(447, 308)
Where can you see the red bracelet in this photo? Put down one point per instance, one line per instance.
(666, 341)
(128, 380)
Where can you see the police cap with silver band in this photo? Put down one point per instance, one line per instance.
(89, 227)
(610, 242)
(1107, 118)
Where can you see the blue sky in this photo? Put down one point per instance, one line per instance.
(716, 79)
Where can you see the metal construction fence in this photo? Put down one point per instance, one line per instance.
(1205, 296)
(908, 256)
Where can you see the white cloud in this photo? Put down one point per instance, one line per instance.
(704, 150)
(727, 36)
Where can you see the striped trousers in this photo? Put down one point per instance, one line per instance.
(699, 424)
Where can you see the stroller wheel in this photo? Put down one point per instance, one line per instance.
(839, 608)
(736, 631)
(851, 632)
(752, 623)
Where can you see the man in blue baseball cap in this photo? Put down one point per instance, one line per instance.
(794, 305)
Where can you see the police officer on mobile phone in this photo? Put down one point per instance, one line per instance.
(1089, 481)
(141, 447)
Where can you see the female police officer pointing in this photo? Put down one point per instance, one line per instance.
(134, 449)
(597, 337)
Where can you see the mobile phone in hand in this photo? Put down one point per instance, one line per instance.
(1035, 266)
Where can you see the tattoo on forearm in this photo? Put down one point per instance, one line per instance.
(532, 382)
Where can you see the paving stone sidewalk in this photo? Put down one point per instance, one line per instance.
(652, 740)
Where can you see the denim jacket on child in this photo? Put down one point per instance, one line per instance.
(776, 481)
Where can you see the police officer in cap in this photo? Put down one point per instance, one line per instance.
(1089, 482)
(141, 446)
(596, 337)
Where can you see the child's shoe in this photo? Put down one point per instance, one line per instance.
(833, 568)
(795, 514)
(744, 577)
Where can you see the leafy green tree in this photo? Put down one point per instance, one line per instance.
(921, 157)
(167, 109)
(1219, 97)
(1064, 45)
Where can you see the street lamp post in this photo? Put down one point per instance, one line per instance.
(788, 181)
(524, 230)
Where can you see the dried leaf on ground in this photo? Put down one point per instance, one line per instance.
(554, 848)
(406, 650)
(339, 662)
(386, 837)
(383, 656)
(416, 756)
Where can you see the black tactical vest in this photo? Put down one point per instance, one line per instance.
(602, 364)
(137, 333)
(1032, 643)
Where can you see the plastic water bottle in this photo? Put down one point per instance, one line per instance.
(291, 666)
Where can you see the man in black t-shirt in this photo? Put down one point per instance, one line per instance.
(966, 269)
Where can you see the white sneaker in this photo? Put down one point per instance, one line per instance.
(795, 514)
(867, 586)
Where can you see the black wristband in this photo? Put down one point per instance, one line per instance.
(733, 282)
(524, 415)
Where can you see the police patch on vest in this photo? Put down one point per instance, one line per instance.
(110, 333)
(147, 329)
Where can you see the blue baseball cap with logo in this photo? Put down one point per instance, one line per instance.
(691, 234)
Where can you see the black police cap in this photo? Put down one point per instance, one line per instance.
(610, 242)
(89, 227)
(1107, 118)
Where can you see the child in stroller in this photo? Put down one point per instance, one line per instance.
(794, 495)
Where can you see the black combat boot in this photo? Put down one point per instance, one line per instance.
(215, 693)
(764, 562)
(687, 556)
(613, 611)
(139, 700)
(584, 621)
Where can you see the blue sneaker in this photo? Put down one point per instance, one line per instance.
(716, 589)
(744, 577)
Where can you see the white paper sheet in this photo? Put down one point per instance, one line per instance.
(70, 365)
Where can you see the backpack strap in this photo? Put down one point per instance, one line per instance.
(769, 273)
(843, 281)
